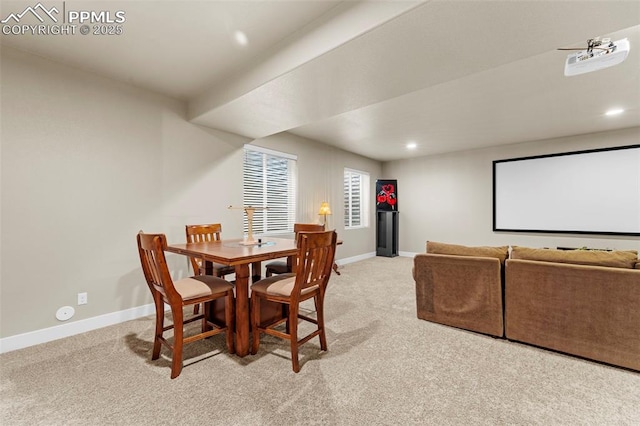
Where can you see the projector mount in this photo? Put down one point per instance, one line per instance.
(593, 43)
(598, 54)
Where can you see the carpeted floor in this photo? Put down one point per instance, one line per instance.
(384, 367)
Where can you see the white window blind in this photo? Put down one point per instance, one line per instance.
(356, 200)
(270, 181)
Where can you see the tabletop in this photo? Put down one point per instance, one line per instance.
(233, 252)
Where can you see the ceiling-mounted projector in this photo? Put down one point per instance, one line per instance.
(599, 54)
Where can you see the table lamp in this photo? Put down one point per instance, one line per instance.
(249, 210)
(324, 211)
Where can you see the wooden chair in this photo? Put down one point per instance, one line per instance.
(201, 233)
(316, 252)
(184, 292)
(285, 267)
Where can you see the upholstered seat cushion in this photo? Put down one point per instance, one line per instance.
(218, 268)
(279, 285)
(224, 269)
(278, 267)
(200, 286)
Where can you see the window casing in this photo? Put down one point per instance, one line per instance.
(356, 199)
(270, 180)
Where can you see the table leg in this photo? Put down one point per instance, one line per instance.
(256, 271)
(206, 268)
(242, 310)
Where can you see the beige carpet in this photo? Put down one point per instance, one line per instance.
(383, 367)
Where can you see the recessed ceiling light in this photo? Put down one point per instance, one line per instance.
(412, 145)
(614, 111)
(241, 38)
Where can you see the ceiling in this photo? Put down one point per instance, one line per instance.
(370, 76)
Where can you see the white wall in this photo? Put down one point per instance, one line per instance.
(448, 197)
(86, 163)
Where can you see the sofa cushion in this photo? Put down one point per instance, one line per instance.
(458, 250)
(614, 259)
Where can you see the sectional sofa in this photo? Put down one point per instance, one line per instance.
(461, 286)
(580, 302)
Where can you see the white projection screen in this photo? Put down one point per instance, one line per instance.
(583, 192)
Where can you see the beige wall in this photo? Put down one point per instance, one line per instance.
(320, 178)
(87, 162)
(449, 197)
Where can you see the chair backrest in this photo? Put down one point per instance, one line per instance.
(202, 233)
(307, 227)
(154, 265)
(316, 253)
(303, 227)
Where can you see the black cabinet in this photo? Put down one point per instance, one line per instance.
(386, 233)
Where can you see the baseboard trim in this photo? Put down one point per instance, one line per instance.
(357, 258)
(37, 337)
(360, 257)
(61, 331)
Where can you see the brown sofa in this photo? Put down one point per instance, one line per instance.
(461, 286)
(581, 302)
(585, 303)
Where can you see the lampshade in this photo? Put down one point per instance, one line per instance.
(324, 208)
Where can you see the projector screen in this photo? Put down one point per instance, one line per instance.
(583, 192)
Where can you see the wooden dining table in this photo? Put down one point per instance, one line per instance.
(234, 253)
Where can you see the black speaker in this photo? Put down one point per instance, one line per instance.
(387, 233)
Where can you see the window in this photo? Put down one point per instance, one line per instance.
(356, 199)
(270, 181)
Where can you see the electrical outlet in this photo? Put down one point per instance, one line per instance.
(82, 298)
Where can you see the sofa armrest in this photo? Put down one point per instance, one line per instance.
(460, 291)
